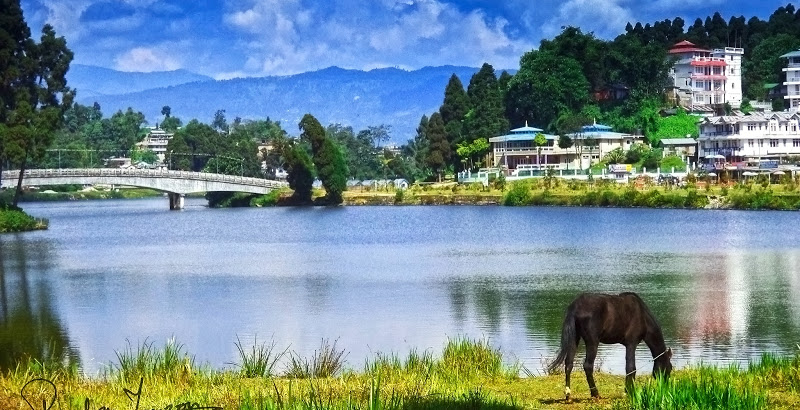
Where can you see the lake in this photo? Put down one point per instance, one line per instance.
(724, 284)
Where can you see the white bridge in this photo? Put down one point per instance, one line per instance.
(176, 183)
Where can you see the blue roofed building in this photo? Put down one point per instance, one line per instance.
(517, 149)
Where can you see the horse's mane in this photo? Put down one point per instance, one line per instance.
(645, 309)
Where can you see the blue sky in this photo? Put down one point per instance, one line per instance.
(234, 38)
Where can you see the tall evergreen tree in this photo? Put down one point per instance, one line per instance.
(454, 110)
(438, 154)
(328, 159)
(33, 89)
(487, 118)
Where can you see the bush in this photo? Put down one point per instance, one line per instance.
(519, 194)
(270, 199)
(13, 219)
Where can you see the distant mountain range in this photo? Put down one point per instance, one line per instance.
(390, 96)
(91, 81)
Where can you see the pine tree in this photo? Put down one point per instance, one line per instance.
(438, 153)
(487, 118)
(328, 159)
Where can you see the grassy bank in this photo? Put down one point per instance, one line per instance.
(16, 220)
(465, 375)
(598, 193)
(70, 194)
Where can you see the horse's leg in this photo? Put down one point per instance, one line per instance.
(568, 362)
(630, 367)
(588, 366)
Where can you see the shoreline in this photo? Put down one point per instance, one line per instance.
(466, 374)
(738, 197)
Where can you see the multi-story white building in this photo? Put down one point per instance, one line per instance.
(750, 137)
(156, 141)
(793, 80)
(518, 149)
(704, 77)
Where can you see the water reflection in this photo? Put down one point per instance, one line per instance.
(384, 280)
(29, 327)
(714, 307)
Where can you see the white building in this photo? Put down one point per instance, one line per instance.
(517, 150)
(750, 137)
(704, 77)
(793, 80)
(156, 141)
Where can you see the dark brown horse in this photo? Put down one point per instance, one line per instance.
(598, 318)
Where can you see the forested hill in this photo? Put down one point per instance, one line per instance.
(91, 81)
(358, 98)
(764, 41)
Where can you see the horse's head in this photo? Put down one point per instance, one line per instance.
(662, 365)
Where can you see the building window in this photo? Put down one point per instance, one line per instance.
(773, 143)
(796, 142)
(760, 143)
(750, 143)
(751, 127)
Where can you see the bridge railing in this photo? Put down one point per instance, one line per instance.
(145, 173)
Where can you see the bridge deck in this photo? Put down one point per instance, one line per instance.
(161, 179)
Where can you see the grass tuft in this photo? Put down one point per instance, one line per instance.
(147, 361)
(260, 360)
(325, 362)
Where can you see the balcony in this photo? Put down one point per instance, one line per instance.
(709, 61)
(792, 80)
(702, 76)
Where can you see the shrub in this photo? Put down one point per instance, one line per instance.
(519, 194)
(15, 220)
(270, 199)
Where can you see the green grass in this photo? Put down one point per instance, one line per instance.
(707, 388)
(465, 374)
(16, 220)
(145, 360)
(259, 360)
(327, 361)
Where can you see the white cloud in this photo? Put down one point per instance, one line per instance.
(606, 18)
(146, 60)
(65, 16)
(283, 37)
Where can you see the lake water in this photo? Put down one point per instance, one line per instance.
(725, 285)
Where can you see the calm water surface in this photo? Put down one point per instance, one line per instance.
(724, 284)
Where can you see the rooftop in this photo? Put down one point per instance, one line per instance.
(678, 141)
(795, 53)
(686, 47)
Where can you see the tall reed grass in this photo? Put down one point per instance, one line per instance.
(708, 389)
(260, 360)
(325, 362)
(145, 360)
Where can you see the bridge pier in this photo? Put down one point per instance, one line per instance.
(175, 201)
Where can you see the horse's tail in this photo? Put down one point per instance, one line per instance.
(568, 340)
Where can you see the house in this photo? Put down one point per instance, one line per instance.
(704, 77)
(741, 138)
(681, 147)
(114, 162)
(156, 141)
(792, 82)
(518, 151)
